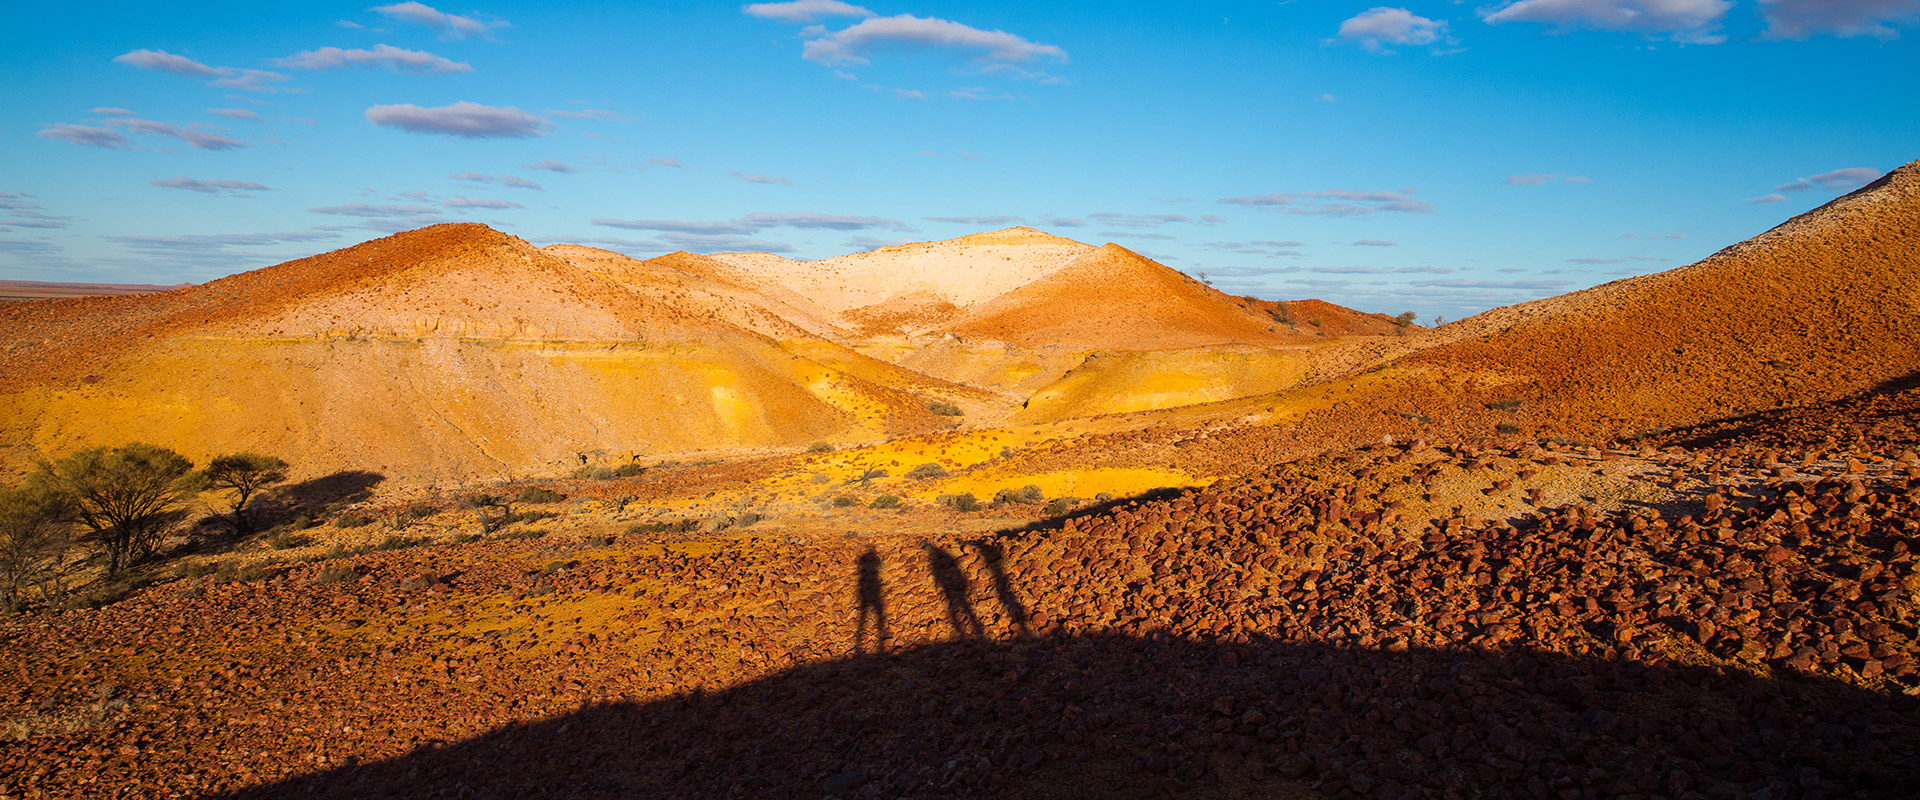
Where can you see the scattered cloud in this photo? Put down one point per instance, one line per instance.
(86, 136)
(1326, 98)
(1766, 198)
(1265, 247)
(665, 161)
(1839, 180)
(248, 80)
(233, 113)
(1375, 243)
(552, 165)
(592, 113)
(464, 119)
(907, 33)
(115, 112)
(517, 182)
(211, 187)
(214, 250)
(1336, 202)
(754, 177)
(364, 210)
(1161, 237)
(22, 210)
(1461, 283)
(994, 221)
(805, 11)
(871, 243)
(449, 26)
(1800, 19)
(1136, 220)
(1378, 29)
(479, 202)
(760, 221)
(978, 93)
(474, 177)
(723, 243)
(1064, 222)
(384, 56)
(29, 247)
(1692, 21)
(1596, 261)
(195, 135)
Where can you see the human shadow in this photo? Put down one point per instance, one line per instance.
(873, 604)
(1778, 426)
(995, 559)
(955, 590)
(1155, 716)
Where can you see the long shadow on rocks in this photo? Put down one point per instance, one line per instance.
(1115, 716)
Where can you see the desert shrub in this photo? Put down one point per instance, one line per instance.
(537, 494)
(621, 502)
(818, 478)
(1507, 428)
(844, 501)
(422, 510)
(126, 495)
(243, 475)
(629, 470)
(1508, 404)
(197, 569)
(1404, 319)
(597, 541)
(351, 520)
(302, 521)
(529, 516)
(1103, 497)
(744, 519)
(34, 540)
(871, 474)
(400, 543)
(338, 573)
(960, 502)
(945, 409)
(819, 447)
(927, 471)
(464, 538)
(1024, 494)
(511, 536)
(491, 511)
(1061, 506)
(885, 501)
(1315, 321)
(665, 526)
(287, 540)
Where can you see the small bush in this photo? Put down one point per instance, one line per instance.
(529, 516)
(598, 541)
(351, 520)
(464, 538)
(665, 526)
(871, 474)
(1509, 404)
(1315, 321)
(287, 540)
(945, 409)
(927, 471)
(844, 501)
(1103, 497)
(339, 573)
(491, 511)
(629, 470)
(885, 501)
(581, 474)
(510, 536)
(960, 502)
(819, 447)
(1024, 494)
(199, 569)
(1061, 506)
(537, 494)
(400, 543)
(745, 519)
(302, 522)
(620, 503)
(1507, 428)
(422, 510)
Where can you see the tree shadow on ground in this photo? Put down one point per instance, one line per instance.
(347, 486)
(1124, 716)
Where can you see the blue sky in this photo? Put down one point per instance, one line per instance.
(1442, 157)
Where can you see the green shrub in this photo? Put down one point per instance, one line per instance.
(1509, 404)
(537, 494)
(945, 409)
(1315, 321)
(927, 471)
(287, 540)
(339, 573)
(529, 516)
(629, 470)
(960, 502)
(1061, 506)
(745, 519)
(1024, 494)
(885, 501)
(819, 447)
(351, 520)
(1507, 428)
(582, 473)
(665, 526)
(598, 541)
(844, 501)
(1103, 497)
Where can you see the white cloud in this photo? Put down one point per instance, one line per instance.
(364, 210)
(996, 220)
(665, 161)
(210, 187)
(463, 119)
(551, 165)
(1800, 19)
(251, 80)
(805, 11)
(517, 182)
(21, 210)
(753, 177)
(1064, 222)
(1839, 180)
(905, 32)
(1380, 28)
(386, 56)
(235, 113)
(1335, 202)
(114, 112)
(1696, 21)
(1375, 243)
(1136, 221)
(196, 136)
(86, 136)
(1766, 198)
(449, 26)
(760, 221)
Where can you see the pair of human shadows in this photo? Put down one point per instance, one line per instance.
(955, 587)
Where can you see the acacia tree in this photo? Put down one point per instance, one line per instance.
(244, 475)
(32, 531)
(125, 495)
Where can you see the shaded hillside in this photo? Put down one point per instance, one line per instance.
(1824, 305)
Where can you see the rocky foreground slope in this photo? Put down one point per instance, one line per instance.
(1729, 615)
